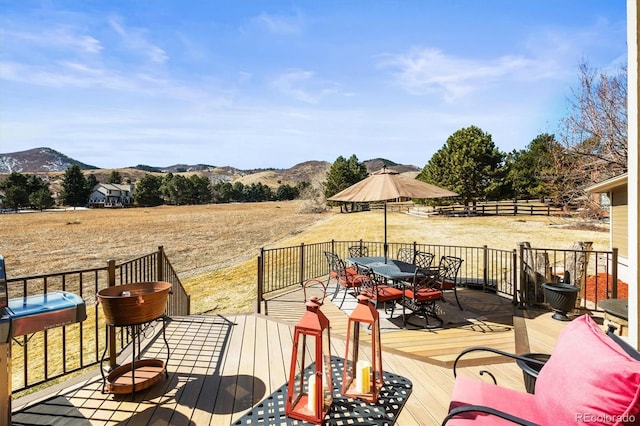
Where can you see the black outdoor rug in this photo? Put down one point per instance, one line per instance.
(345, 410)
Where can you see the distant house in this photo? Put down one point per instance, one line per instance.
(111, 195)
(615, 189)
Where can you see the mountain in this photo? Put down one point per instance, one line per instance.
(38, 160)
(377, 163)
(51, 162)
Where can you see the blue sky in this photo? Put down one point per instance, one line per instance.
(258, 84)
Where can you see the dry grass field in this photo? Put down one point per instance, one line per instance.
(213, 247)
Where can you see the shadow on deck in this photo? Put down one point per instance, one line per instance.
(222, 369)
(487, 320)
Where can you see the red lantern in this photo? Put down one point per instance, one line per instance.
(310, 390)
(362, 378)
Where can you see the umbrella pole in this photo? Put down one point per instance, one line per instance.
(386, 246)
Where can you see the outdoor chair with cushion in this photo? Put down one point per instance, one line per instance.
(346, 278)
(423, 259)
(420, 297)
(447, 276)
(406, 254)
(378, 292)
(358, 251)
(590, 378)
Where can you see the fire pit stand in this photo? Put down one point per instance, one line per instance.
(132, 307)
(139, 374)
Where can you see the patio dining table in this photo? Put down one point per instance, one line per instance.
(399, 272)
(395, 270)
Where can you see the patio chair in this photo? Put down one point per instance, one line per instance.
(590, 378)
(421, 297)
(346, 278)
(406, 254)
(358, 251)
(423, 259)
(379, 292)
(446, 278)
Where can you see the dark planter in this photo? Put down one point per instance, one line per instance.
(561, 297)
(530, 370)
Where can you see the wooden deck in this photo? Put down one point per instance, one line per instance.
(222, 367)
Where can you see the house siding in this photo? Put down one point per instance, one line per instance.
(619, 213)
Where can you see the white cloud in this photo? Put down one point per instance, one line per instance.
(425, 71)
(61, 37)
(136, 40)
(280, 24)
(291, 83)
(303, 86)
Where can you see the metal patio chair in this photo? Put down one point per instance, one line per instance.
(346, 278)
(446, 278)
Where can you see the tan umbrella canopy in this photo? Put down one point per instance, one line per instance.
(385, 185)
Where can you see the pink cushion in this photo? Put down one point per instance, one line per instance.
(589, 379)
(468, 391)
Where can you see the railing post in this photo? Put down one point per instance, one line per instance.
(514, 276)
(522, 283)
(301, 276)
(260, 279)
(160, 265)
(614, 272)
(485, 267)
(111, 331)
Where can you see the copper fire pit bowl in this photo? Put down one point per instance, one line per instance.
(136, 303)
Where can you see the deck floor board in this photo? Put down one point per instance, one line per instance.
(222, 366)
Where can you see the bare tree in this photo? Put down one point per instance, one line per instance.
(594, 137)
(595, 132)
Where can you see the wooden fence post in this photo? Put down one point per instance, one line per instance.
(160, 265)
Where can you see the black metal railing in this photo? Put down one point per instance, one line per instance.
(502, 271)
(282, 268)
(595, 272)
(56, 352)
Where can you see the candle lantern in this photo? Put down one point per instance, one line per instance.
(310, 390)
(361, 378)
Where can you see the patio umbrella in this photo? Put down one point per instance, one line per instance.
(385, 185)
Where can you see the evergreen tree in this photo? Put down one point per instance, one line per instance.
(344, 173)
(40, 196)
(286, 192)
(74, 187)
(222, 192)
(527, 167)
(200, 189)
(469, 164)
(41, 199)
(92, 181)
(16, 193)
(147, 192)
(237, 192)
(115, 177)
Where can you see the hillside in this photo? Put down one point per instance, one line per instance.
(38, 160)
(52, 164)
